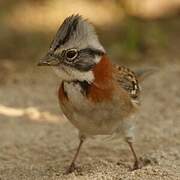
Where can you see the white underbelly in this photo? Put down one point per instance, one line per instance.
(94, 121)
(89, 118)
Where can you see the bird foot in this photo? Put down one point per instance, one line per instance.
(136, 166)
(71, 168)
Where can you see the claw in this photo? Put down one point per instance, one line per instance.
(71, 169)
(136, 166)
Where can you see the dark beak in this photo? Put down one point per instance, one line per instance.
(48, 60)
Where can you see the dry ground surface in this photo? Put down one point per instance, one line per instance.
(37, 142)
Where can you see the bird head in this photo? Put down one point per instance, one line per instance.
(75, 50)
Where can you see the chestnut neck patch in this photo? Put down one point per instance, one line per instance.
(100, 89)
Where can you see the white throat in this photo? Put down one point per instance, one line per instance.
(70, 74)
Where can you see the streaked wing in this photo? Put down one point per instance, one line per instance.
(128, 81)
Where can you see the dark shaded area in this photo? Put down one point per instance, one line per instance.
(136, 40)
(132, 41)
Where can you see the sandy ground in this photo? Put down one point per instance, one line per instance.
(37, 142)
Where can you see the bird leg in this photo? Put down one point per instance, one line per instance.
(71, 168)
(136, 161)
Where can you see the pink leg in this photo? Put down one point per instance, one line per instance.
(136, 161)
(71, 168)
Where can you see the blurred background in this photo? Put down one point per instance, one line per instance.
(135, 33)
(132, 31)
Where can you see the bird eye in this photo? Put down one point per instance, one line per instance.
(71, 54)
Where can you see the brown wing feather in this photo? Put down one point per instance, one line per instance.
(128, 81)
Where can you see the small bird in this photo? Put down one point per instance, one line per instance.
(97, 96)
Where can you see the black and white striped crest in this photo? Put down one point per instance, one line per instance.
(75, 50)
(65, 31)
(76, 32)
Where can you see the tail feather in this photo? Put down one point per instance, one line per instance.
(144, 73)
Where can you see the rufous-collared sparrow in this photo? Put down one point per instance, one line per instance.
(98, 97)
